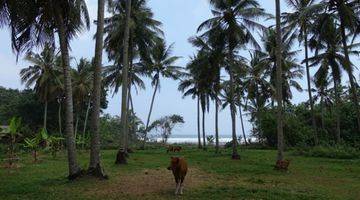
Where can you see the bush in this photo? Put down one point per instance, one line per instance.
(229, 144)
(337, 151)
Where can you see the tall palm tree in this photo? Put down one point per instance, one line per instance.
(43, 75)
(257, 87)
(279, 81)
(347, 12)
(161, 63)
(95, 164)
(326, 42)
(236, 19)
(124, 106)
(298, 22)
(214, 53)
(291, 69)
(35, 22)
(82, 86)
(143, 33)
(189, 86)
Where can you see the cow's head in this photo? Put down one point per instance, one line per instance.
(174, 161)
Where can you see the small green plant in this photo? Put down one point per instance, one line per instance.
(82, 142)
(210, 139)
(55, 145)
(42, 138)
(12, 134)
(33, 145)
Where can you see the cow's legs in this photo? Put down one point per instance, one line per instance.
(178, 185)
(181, 186)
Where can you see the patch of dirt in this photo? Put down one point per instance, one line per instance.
(156, 182)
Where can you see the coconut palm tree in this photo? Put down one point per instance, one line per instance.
(236, 20)
(189, 86)
(161, 64)
(215, 53)
(279, 87)
(349, 23)
(95, 165)
(298, 22)
(43, 75)
(257, 86)
(326, 42)
(35, 22)
(143, 33)
(124, 106)
(82, 79)
(291, 69)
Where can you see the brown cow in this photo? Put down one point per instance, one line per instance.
(174, 149)
(179, 168)
(282, 165)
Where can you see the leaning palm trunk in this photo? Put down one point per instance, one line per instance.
(121, 158)
(216, 126)
(198, 123)
(74, 169)
(242, 124)
(280, 133)
(150, 111)
(353, 87)
(309, 88)
(128, 117)
(86, 119)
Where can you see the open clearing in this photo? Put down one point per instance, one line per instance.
(210, 177)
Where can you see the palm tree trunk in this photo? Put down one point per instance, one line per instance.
(309, 88)
(337, 111)
(85, 122)
(198, 123)
(242, 124)
(45, 114)
(322, 112)
(59, 116)
(350, 72)
(74, 169)
(128, 117)
(280, 133)
(235, 154)
(150, 111)
(132, 104)
(120, 158)
(216, 126)
(203, 127)
(76, 125)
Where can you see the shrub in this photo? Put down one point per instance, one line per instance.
(337, 151)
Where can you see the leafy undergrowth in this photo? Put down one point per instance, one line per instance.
(337, 151)
(210, 177)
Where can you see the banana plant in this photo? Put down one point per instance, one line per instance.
(12, 134)
(42, 138)
(33, 145)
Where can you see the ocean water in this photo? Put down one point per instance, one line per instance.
(189, 139)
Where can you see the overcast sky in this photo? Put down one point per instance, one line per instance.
(180, 20)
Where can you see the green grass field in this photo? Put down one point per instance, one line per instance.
(210, 177)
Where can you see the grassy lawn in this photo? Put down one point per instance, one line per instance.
(210, 177)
